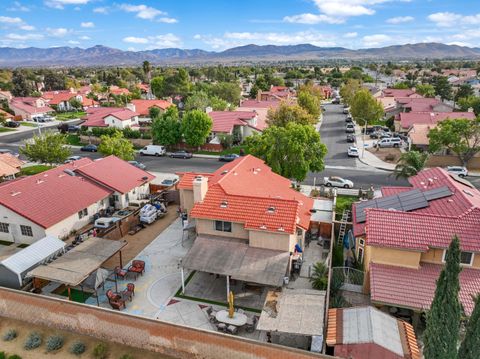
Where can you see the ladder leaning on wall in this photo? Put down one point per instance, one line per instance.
(343, 225)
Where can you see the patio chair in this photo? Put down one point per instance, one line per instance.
(129, 292)
(251, 324)
(117, 304)
(232, 329)
(137, 267)
(212, 315)
(221, 327)
(120, 272)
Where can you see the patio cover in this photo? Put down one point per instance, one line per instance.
(293, 311)
(235, 258)
(77, 264)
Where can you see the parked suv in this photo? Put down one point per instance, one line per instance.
(458, 170)
(350, 128)
(389, 142)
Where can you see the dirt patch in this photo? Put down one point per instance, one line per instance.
(390, 155)
(141, 239)
(23, 330)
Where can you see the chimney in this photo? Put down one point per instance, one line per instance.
(200, 187)
(131, 107)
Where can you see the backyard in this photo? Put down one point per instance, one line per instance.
(35, 169)
(65, 116)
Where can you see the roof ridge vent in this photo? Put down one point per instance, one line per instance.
(39, 181)
(281, 229)
(224, 204)
(15, 193)
(69, 172)
(263, 226)
(224, 172)
(271, 209)
(466, 191)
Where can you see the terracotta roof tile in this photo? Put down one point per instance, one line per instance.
(408, 119)
(143, 106)
(224, 121)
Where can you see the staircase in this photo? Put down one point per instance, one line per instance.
(343, 225)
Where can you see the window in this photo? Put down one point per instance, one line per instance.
(466, 258)
(83, 213)
(26, 231)
(116, 198)
(4, 227)
(360, 255)
(361, 242)
(223, 226)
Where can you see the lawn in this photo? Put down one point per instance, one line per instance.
(33, 170)
(28, 124)
(227, 151)
(64, 116)
(74, 140)
(345, 202)
(6, 129)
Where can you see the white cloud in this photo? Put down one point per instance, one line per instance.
(60, 4)
(85, 37)
(87, 24)
(73, 42)
(376, 40)
(23, 37)
(10, 20)
(27, 27)
(17, 6)
(58, 32)
(101, 10)
(350, 35)
(400, 19)
(448, 19)
(312, 19)
(156, 41)
(148, 13)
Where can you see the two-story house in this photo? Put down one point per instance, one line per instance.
(403, 236)
(244, 123)
(250, 222)
(116, 117)
(30, 108)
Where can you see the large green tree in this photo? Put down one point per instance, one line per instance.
(470, 347)
(365, 108)
(465, 90)
(461, 136)
(230, 92)
(473, 102)
(443, 88)
(198, 100)
(49, 147)
(22, 86)
(286, 113)
(309, 102)
(292, 150)
(410, 163)
(196, 126)
(349, 90)
(443, 318)
(54, 81)
(166, 129)
(426, 90)
(116, 145)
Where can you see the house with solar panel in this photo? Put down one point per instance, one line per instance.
(402, 237)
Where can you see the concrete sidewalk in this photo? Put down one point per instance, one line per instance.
(369, 158)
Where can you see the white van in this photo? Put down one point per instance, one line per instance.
(389, 142)
(153, 150)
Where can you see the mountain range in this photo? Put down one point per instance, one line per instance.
(105, 56)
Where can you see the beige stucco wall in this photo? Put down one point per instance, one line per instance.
(402, 258)
(207, 227)
(432, 256)
(270, 240)
(186, 199)
(136, 193)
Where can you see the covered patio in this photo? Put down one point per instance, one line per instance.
(236, 260)
(80, 267)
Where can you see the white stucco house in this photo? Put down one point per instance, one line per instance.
(111, 117)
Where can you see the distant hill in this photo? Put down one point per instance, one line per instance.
(106, 56)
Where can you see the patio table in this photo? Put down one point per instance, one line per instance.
(238, 319)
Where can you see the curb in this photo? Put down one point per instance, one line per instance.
(377, 167)
(207, 156)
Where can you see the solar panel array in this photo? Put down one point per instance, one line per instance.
(404, 201)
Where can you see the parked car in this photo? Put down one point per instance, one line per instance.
(349, 119)
(105, 222)
(379, 135)
(169, 182)
(350, 128)
(89, 148)
(181, 154)
(49, 118)
(346, 110)
(351, 138)
(352, 151)
(337, 182)
(137, 203)
(153, 150)
(38, 119)
(336, 101)
(368, 130)
(388, 142)
(12, 124)
(73, 128)
(458, 170)
(72, 158)
(228, 158)
(138, 164)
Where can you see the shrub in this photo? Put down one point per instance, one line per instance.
(319, 278)
(10, 335)
(126, 356)
(33, 341)
(14, 356)
(390, 157)
(100, 351)
(3, 355)
(77, 348)
(129, 133)
(54, 342)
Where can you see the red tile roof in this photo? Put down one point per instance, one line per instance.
(250, 187)
(398, 92)
(224, 121)
(6, 114)
(408, 119)
(51, 196)
(95, 115)
(61, 97)
(25, 104)
(143, 106)
(415, 288)
(116, 174)
(186, 179)
(115, 90)
(260, 104)
(123, 115)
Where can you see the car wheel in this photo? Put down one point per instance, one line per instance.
(395, 145)
(157, 154)
(141, 153)
(461, 175)
(328, 184)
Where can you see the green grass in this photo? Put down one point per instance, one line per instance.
(228, 151)
(6, 243)
(28, 124)
(77, 295)
(35, 169)
(345, 202)
(6, 129)
(74, 140)
(64, 116)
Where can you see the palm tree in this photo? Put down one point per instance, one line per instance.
(319, 278)
(410, 163)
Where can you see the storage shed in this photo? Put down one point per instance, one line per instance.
(14, 268)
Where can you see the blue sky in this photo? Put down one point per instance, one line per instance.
(220, 24)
